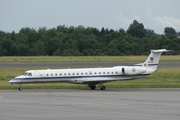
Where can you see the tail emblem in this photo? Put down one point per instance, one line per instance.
(151, 58)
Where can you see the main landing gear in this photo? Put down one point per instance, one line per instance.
(101, 86)
(93, 87)
(20, 88)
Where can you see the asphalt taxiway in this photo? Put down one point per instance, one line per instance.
(75, 104)
(76, 64)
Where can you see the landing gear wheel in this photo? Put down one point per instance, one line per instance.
(20, 88)
(93, 87)
(103, 87)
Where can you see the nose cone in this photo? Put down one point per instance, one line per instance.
(15, 81)
(12, 81)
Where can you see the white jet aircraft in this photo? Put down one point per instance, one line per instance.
(91, 76)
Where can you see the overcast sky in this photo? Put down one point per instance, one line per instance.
(111, 14)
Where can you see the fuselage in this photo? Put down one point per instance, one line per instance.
(82, 76)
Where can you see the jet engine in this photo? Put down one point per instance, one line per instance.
(133, 70)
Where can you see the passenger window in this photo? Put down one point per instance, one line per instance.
(60, 74)
(69, 73)
(81, 73)
(51, 74)
(99, 72)
(103, 72)
(77, 73)
(47, 74)
(112, 72)
(64, 73)
(107, 72)
(56, 74)
(116, 72)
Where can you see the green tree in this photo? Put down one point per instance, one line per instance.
(13, 36)
(136, 29)
(169, 31)
(8, 47)
(39, 48)
(64, 40)
(53, 45)
(23, 49)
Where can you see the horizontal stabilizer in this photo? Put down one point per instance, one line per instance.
(160, 50)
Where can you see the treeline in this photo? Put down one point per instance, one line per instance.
(81, 41)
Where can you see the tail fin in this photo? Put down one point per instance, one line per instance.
(153, 59)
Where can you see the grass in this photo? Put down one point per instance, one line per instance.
(163, 78)
(83, 58)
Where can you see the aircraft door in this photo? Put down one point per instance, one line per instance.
(36, 75)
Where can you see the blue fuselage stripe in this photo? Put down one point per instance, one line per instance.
(76, 77)
(147, 65)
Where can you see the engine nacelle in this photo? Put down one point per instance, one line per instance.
(133, 70)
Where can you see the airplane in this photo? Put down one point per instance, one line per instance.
(91, 76)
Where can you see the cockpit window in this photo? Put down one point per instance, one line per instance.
(25, 73)
(29, 74)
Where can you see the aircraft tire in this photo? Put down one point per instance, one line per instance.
(93, 87)
(103, 87)
(20, 88)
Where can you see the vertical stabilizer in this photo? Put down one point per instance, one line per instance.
(153, 59)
